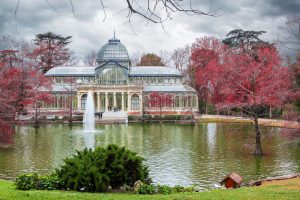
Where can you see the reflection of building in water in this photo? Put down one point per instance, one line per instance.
(116, 85)
(211, 137)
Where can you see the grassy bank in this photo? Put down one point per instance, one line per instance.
(261, 121)
(273, 191)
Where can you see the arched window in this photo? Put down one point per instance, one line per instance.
(83, 101)
(60, 102)
(135, 104)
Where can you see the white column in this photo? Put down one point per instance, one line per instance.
(141, 102)
(78, 101)
(98, 101)
(106, 101)
(115, 100)
(123, 109)
(129, 101)
(57, 101)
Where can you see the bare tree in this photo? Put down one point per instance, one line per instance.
(181, 57)
(166, 57)
(290, 37)
(158, 11)
(155, 11)
(90, 58)
(135, 57)
(73, 59)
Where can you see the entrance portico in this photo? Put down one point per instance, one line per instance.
(109, 98)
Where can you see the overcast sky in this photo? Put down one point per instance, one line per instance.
(90, 32)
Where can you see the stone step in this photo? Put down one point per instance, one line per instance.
(109, 115)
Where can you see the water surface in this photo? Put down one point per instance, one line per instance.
(175, 154)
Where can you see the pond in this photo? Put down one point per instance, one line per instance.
(175, 154)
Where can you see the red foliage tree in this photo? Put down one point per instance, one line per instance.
(21, 85)
(8, 93)
(252, 82)
(160, 100)
(207, 57)
(51, 50)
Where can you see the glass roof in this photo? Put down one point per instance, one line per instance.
(71, 71)
(154, 71)
(168, 88)
(113, 50)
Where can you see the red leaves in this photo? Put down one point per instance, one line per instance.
(160, 100)
(235, 78)
(49, 54)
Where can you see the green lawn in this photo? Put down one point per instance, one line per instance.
(273, 192)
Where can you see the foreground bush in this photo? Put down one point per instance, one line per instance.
(26, 181)
(95, 171)
(33, 181)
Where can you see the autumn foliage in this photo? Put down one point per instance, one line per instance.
(239, 77)
(22, 85)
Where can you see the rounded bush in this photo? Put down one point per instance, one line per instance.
(94, 171)
(26, 181)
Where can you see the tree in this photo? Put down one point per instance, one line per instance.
(207, 54)
(181, 58)
(160, 100)
(245, 39)
(150, 59)
(290, 37)
(253, 83)
(135, 58)
(8, 93)
(51, 50)
(90, 59)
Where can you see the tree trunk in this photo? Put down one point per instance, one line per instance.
(270, 115)
(258, 148)
(206, 109)
(36, 121)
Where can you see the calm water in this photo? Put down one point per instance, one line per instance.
(175, 154)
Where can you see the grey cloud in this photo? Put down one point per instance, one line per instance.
(90, 32)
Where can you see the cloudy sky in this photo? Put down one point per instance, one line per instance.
(90, 31)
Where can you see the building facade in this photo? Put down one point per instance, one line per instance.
(117, 86)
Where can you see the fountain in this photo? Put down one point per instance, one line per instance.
(89, 122)
(89, 114)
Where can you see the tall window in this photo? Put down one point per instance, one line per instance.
(83, 101)
(135, 104)
(112, 75)
(176, 103)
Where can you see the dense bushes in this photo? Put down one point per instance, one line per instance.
(95, 170)
(33, 181)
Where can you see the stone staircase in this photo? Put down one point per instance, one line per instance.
(118, 116)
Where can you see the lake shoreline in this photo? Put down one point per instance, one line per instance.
(262, 121)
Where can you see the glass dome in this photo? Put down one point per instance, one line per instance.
(113, 50)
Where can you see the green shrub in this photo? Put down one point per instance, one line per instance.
(147, 117)
(178, 188)
(26, 181)
(147, 189)
(94, 171)
(164, 189)
(170, 117)
(47, 183)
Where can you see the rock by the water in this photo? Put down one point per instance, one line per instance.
(137, 185)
